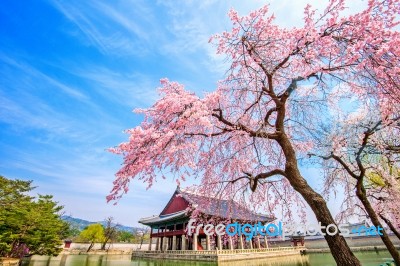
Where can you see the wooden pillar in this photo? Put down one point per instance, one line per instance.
(258, 242)
(183, 242)
(208, 242)
(194, 242)
(173, 246)
(251, 243)
(265, 242)
(230, 243)
(165, 243)
(241, 242)
(151, 241)
(173, 242)
(219, 240)
(158, 243)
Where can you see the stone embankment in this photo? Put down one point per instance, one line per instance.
(363, 243)
(111, 249)
(9, 262)
(219, 255)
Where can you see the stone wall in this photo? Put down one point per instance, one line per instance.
(9, 262)
(366, 241)
(115, 248)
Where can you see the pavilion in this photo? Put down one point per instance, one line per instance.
(169, 227)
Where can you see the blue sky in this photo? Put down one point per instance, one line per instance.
(71, 72)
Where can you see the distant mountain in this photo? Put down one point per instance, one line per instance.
(76, 222)
(82, 224)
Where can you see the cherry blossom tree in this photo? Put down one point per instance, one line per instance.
(383, 181)
(382, 194)
(243, 140)
(356, 158)
(385, 194)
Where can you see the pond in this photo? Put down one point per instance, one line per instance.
(321, 259)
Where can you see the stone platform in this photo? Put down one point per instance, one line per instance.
(219, 255)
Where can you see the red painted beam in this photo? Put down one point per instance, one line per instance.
(170, 233)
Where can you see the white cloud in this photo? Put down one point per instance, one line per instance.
(133, 90)
(121, 29)
(34, 73)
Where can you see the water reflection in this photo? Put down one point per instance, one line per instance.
(367, 259)
(105, 260)
(292, 260)
(125, 260)
(172, 263)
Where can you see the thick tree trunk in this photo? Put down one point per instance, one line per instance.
(391, 226)
(340, 250)
(103, 245)
(362, 196)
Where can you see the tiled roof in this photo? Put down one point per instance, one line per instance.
(224, 208)
(210, 206)
(155, 219)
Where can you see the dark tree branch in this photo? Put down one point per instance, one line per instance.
(268, 114)
(339, 160)
(239, 126)
(391, 226)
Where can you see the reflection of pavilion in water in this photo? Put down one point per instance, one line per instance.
(169, 231)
